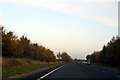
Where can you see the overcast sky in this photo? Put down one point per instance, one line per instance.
(78, 27)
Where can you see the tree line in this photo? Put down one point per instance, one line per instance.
(64, 57)
(12, 46)
(110, 53)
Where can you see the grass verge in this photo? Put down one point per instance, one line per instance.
(15, 70)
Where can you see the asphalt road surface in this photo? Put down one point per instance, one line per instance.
(80, 71)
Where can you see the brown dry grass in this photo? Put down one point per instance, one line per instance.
(19, 61)
(0, 61)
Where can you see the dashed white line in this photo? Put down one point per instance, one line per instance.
(117, 75)
(49, 73)
(104, 71)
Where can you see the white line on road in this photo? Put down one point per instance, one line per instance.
(104, 71)
(49, 73)
(117, 75)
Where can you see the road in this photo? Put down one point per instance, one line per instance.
(80, 71)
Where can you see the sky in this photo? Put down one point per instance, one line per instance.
(78, 27)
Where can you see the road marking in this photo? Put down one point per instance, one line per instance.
(117, 75)
(104, 71)
(50, 73)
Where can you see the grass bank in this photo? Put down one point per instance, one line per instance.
(18, 68)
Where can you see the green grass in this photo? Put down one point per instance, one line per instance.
(10, 71)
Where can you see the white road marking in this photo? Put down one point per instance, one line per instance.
(104, 71)
(117, 75)
(50, 73)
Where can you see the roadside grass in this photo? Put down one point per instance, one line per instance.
(15, 70)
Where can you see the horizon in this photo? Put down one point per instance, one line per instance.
(78, 28)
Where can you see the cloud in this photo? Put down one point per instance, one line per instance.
(103, 12)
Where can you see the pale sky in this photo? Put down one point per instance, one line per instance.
(78, 27)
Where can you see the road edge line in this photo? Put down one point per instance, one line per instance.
(117, 76)
(50, 73)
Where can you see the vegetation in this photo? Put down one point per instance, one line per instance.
(110, 54)
(14, 70)
(11, 61)
(64, 57)
(22, 47)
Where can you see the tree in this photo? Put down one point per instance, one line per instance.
(14, 47)
(110, 54)
(8, 40)
(88, 57)
(66, 58)
(24, 45)
(59, 56)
